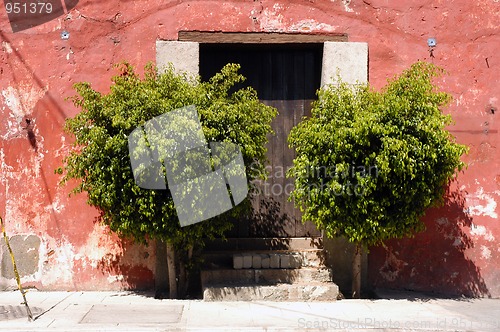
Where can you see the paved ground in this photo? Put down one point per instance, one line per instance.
(125, 311)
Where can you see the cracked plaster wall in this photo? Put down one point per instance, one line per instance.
(38, 69)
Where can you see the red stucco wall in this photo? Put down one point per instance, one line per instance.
(458, 253)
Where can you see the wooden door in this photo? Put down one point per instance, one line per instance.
(285, 77)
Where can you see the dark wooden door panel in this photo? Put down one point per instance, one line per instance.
(278, 215)
(285, 77)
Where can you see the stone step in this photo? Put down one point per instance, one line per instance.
(233, 259)
(275, 243)
(264, 276)
(280, 292)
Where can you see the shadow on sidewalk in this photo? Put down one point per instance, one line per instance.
(413, 296)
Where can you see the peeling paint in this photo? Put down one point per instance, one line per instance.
(58, 268)
(99, 246)
(346, 4)
(271, 20)
(478, 230)
(482, 204)
(21, 102)
(485, 252)
(56, 206)
(115, 278)
(5, 169)
(6, 47)
(312, 25)
(392, 267)
(69, 54)
(63, 150)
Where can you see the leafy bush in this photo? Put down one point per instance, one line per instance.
(100, 158)
(370, 163)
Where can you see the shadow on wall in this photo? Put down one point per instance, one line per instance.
(126, 268)
(268, 220)
(264, 218)
(434, 261)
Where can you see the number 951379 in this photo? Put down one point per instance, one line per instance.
(28, 8)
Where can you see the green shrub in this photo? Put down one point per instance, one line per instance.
(370, 163)
(100, 158)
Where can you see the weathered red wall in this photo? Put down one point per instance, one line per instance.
(458, 253)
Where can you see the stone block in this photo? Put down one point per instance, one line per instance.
(285, 261)
(266, 261)
(247, 261)
(274, 261)
(183, 55)
(295, 261)
(325, 292)
(349, 60)
(279, 293)
(256, 262)
(237, 261)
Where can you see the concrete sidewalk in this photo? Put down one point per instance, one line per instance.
(126, 311)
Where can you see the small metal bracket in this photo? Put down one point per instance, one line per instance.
(431, 42)
(64, 35)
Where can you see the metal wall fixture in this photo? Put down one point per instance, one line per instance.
(64, 35)
(431, 42)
